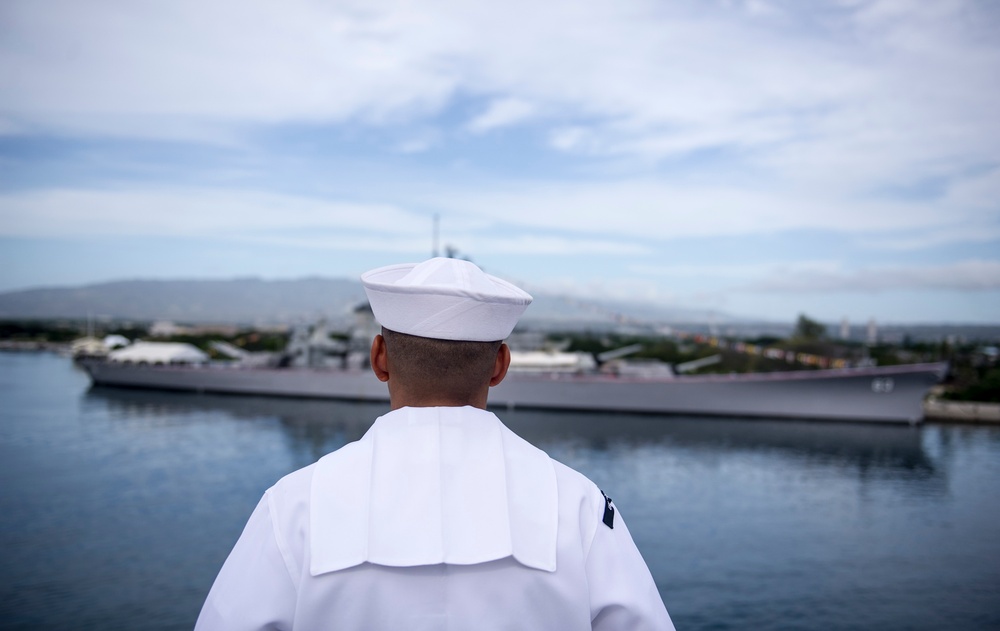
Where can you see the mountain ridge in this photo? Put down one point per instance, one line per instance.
(257, 300)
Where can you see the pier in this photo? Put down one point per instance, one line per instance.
(939, 410)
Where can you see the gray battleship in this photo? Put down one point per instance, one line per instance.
(315, 366)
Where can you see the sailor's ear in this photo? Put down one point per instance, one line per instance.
(379, 359)
(501, 365)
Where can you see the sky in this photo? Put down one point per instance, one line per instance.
(758, 158)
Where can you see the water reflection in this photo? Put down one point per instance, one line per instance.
(310, 427)
(123, 504)
(313, 428)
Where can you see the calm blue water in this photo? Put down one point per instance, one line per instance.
(117, 508)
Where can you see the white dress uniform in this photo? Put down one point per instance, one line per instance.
(438, 518)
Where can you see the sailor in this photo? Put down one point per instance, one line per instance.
(439, 517)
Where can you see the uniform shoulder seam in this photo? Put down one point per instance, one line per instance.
(279, 540)
(591, 494)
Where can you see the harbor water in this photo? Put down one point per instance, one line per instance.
(117, 507)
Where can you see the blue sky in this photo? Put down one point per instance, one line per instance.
(839, 158)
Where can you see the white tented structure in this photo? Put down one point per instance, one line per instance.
(551, 361)
(158, 353)
(112, 342)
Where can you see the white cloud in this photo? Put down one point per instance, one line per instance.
(625, 289)
(955, 234)
(905, 80)
(573, 138)
(415, 145)
(419, 141)
(687, 119)
(574, 216)
(414, 246)
(550, 245)
(76, 213)
(819, 276)
(738, 271)
(970, 275)
(80, 68)
(980, 191)
(835, 100)
(482, 245)
(759, 8)
(656, 210)
(502, 113)
(613, 217)
(266, 218)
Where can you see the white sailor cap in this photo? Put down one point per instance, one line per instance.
(447, 299)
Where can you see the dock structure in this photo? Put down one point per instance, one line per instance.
(940, 410)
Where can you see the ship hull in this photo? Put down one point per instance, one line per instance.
(892, 394)
(889, 394)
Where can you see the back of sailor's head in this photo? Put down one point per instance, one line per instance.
(443, 321)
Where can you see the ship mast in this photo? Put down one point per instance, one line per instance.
(434, 250)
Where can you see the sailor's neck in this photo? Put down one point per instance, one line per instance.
(436, 403)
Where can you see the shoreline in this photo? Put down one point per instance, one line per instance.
(941, 411)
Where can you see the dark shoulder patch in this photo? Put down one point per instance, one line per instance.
(609, 511)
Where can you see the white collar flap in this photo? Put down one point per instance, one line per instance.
(434, 485)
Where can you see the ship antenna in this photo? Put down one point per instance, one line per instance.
(434, 250)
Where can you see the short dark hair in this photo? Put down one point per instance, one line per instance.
(453, 368)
